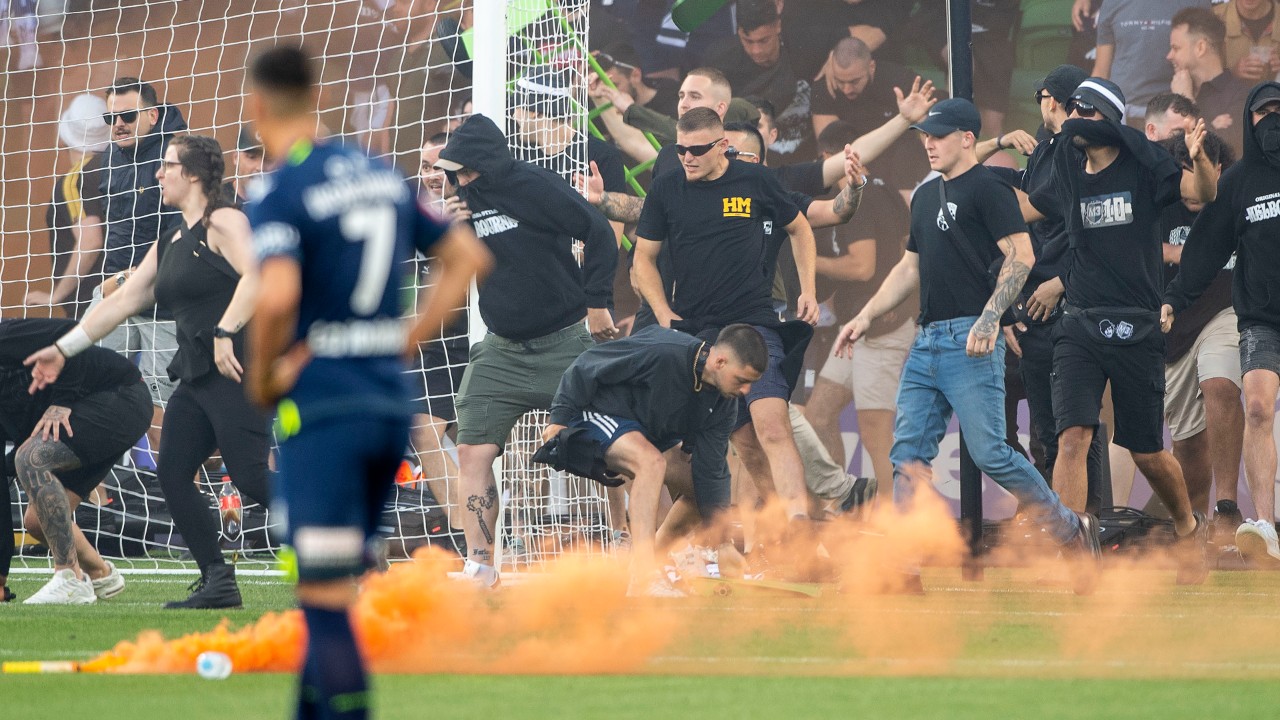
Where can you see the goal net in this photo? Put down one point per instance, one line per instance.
(396, 76)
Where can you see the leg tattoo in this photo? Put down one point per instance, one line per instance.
(479, 504)
(36, 461)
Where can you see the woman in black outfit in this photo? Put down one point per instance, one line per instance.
(205, 275)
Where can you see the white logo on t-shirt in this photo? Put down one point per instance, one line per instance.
(943, 223)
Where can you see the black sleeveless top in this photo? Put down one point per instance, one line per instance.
(196, 285)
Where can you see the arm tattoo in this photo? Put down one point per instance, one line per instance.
(846, 203)
(1013, 275)
(36, 461)
(478, 504)
(621, 208)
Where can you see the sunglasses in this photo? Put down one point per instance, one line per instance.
(608, 62)
(696, 150)
(734, 153)
(1083, 109)
(128, 116)
(1040, 96)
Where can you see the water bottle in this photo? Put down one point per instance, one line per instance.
(229, 507)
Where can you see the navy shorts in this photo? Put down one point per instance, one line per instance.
(335, 479)
(608, 428)
(772, 384)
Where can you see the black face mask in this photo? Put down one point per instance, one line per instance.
(1267, 132)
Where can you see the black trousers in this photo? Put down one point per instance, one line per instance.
(203, 415)
(1036, 368)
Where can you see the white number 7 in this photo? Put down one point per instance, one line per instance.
(376, 228)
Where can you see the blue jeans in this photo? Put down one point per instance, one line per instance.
(938, 379)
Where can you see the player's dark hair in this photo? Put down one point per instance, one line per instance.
(1215, 148)
(1180, 104)
(754, 14)
(747, 344)
(1205, 23)
(753, 132)
(699, 118)
(835, 136)
(128, 84)
(201, 158)
(287, 74)
(764, 106)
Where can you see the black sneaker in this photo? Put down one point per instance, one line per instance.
(1193, 564)
(1088, 554)
(215, 589)
(861, 493)
(1226, 518)
(7, 595)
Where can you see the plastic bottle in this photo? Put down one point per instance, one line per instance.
(229, 507)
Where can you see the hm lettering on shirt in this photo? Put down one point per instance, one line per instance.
(1102, 211)
(489, 222)
(737, 207)
(1264, 208)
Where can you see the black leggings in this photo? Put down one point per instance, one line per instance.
(205, 414)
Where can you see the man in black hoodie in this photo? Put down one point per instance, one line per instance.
(1246, 220)
(1116, 183)
(641, 396)
(141, 127)
(533, 303)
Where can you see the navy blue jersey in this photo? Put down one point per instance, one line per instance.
(352, 224)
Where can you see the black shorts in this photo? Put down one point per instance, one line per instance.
(104, 425)
(1081, 369)
(438, 377)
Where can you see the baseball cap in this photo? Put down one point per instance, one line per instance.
(949, 116)
(1104, 95)
(1062, 81)
(248, 140)
(546, 93)
(80, 126)
(1267, 94)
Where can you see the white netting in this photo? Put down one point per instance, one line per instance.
(395, 73)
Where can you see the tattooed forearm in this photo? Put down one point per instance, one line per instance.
(36, 462)
(1013, 275)
(845, 205)
(621, 208)
(480, 505)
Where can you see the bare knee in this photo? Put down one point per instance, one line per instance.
(1075, 441)
(1220, 395)
(1259, 412)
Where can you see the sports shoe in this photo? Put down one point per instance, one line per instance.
(64, 589)
(7, 595)
(656, 586)
(109, 586)
(1193, 564)
(215, 589)
(860, 497)
(1088, 554)
(1257, 542)
(1226, 518)
(486, 576)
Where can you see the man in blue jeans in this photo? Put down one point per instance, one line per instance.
(956, 363)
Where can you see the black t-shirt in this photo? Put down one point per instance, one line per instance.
(780, 86)
(667, 97)
(1175, 226)
(1116, 260)
(1225, 95)
(714, 234)
(882, 218)
(564, 163)
(986, 209)
(810, 28)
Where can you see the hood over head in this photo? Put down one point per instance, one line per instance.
(1262, 141)
(477, 144)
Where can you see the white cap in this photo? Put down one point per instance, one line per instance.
(81, 126)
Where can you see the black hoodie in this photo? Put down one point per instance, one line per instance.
(528, 217)
(136, 217)
(1245, 219)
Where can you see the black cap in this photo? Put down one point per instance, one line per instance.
(248, 140)
(1266, 94)
(546, 93)
(1104, 95)
(949, 116)
(1062, 81)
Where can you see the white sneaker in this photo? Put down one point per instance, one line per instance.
(1257, 542)
(64, 589)
(486, 576)
(657, 586)
(109, 586)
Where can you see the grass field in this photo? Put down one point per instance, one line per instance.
(1008, 647)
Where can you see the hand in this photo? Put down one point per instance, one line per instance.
(807, 308)
(827, 77)
(625, 324)
(603, 94)
(456, 210)
(1251, 68)
(1166, 318)
(1182, 83)
(1079, 13)
(850, 332)
(224, 356)
(666, 317)
(280, 379)
(551, 431)
(1195, 141)
(600, 323)
(46, 364)
(914, 106)
(591, 185)
(982, 336)
(1222, 122)
(1042, 302)
(54, 419)
(37, 298)
(1020, 140)
(1011, 337)
(853, 167)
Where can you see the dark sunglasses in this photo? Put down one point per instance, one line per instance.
(696, 150)
(608, 62)
(128, 116)
(1041, 95)
(1083, 109)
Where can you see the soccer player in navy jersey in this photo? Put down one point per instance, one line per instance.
(334, 230)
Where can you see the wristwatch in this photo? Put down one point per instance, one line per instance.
(218, 332)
